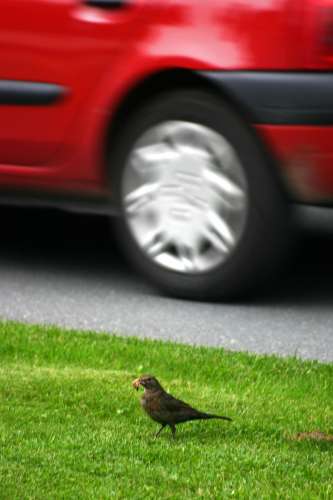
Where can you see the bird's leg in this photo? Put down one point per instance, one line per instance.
(173, 430)
(161, 429)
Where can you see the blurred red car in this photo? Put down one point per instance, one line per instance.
(195, 122)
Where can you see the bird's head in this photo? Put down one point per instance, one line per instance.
(147, 382)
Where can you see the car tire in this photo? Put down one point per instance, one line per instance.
(188, 129)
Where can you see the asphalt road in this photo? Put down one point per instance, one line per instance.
(63, 269)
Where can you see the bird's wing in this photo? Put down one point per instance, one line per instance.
(178, 410)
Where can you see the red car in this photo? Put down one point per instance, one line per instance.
(196, 123)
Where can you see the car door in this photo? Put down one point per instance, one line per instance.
(52, 53)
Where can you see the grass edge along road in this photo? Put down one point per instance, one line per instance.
(71, 425)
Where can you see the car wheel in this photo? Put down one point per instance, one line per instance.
(202, 214)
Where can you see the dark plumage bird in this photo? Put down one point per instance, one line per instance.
(164, 408)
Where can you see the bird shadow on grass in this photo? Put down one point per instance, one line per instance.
(215, 435)
(193, 435)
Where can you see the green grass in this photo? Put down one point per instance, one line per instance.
(71, 425)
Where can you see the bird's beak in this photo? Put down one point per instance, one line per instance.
(136, 383)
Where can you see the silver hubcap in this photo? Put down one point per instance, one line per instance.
(185, 196)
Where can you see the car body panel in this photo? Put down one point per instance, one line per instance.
(305, 155)
(58, 42)
(99, 56)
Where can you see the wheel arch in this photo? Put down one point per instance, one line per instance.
(180, 79)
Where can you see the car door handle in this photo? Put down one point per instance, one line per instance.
(105, 4)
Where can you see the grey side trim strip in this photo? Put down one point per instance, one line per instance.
(21, 93)
(280, 98)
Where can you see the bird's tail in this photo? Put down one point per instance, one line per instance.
(206, 416)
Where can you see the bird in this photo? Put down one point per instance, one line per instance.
(164, 408)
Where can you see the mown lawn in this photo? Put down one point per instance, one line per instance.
(71, 425)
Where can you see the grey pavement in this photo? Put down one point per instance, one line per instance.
(63, 269)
